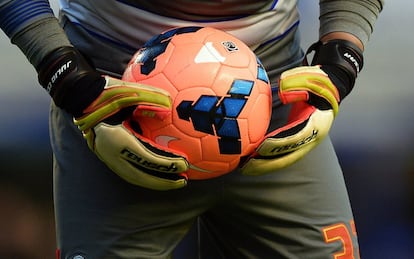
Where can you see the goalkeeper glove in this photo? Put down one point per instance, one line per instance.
(100, 106)
(314, 93)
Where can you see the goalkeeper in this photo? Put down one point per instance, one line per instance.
(289, 200)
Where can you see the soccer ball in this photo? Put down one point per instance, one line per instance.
(221, 97)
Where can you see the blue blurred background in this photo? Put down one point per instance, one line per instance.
(374, 136)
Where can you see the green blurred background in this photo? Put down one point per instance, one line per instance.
(374, 136)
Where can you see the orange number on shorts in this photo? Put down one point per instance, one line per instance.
(339, 232)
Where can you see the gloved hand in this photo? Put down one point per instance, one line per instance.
(101, 106)
(314, 93)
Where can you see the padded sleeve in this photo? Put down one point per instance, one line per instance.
(356, 17)
(32, 26)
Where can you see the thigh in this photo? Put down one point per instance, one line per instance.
(98, 215)
(300, 212)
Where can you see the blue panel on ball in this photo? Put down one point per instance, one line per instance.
(229, 146)
(241, 87)
(261, 72)
(232, 106)
(229, 128)
(206, 103)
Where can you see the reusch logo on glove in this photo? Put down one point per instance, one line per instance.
(294, 146)
(136, 160)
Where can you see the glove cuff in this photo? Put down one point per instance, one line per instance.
(340, 57)
(69, 79)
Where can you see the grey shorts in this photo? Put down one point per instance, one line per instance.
(302, 211)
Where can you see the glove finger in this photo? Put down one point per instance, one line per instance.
(296, 85)
(259, 166)
(140, 93)
(290, 144)
(136, 163)
(297, 135)
(118, 95)
(150, 111)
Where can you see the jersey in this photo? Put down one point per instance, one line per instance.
(254, 22)
(269, 28)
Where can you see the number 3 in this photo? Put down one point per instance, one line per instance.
(340, 232)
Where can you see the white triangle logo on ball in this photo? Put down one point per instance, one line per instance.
(208, 54)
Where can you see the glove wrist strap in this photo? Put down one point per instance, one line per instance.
(69, 79)
(342, 57)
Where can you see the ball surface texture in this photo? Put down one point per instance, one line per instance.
(221, 97)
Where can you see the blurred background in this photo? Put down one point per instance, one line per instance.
(374, 136)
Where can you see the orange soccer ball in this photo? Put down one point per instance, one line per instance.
(221, 97)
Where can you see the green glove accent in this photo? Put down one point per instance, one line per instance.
(132, 158)
(307, 125)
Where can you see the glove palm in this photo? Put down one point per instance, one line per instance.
(133, 159)
(101, 107)
(314, 93)
(307, 125)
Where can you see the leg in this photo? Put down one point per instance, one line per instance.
(300, 212)
(98, 215)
